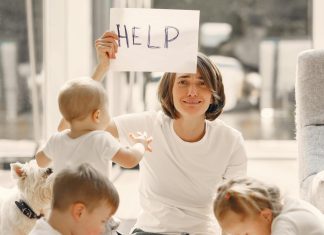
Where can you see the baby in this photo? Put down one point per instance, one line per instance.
(83, 103)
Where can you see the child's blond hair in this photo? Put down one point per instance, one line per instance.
(83, 184)
(246, 196)
(80, 97)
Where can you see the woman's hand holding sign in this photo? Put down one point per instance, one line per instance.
(106, 48)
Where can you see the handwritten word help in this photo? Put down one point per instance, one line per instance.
(131, 36)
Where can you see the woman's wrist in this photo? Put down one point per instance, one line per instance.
(100, 71)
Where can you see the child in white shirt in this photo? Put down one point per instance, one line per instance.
(83, 103)
(83, 201)
(248, 206)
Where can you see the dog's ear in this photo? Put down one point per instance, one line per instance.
(17, 170)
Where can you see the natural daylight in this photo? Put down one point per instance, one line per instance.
(161, 117)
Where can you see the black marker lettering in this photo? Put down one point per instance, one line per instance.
(149, 39)
(120, 36)
(135, 36)
(166, 34)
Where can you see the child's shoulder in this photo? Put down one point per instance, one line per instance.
(60, 134)
(96, 139)
(296, 205)
(98, 134)
(298, 215)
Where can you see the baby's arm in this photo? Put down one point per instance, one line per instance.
(129, 157)
(42, 160)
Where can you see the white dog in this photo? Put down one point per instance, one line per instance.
(22, 205)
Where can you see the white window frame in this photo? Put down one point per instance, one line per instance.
(67, 51)
(318, 21)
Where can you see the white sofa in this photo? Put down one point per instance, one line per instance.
(310, 125)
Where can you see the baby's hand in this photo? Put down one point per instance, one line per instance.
(142, 138)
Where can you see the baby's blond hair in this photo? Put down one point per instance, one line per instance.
(246, 196)
(80, 97)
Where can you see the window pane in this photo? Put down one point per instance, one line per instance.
(16, 120)
(255, 45)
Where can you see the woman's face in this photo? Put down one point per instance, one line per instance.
(191, 95)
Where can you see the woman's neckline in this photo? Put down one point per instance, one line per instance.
(196, 136)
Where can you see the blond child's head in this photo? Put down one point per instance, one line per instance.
(247, 206)
(81, 97)
(88, 197)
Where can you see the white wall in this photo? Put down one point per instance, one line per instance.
(67, 51)
(318, 22)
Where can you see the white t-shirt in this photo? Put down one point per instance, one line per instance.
(298, 218)
(96, 148)
(42, 227)
(178, 180)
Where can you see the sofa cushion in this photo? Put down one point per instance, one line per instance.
(311, 154)
(310, 88)
(317, 191)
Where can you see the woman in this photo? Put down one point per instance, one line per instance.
(192, 150)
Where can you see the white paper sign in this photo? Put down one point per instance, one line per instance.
(155, 39)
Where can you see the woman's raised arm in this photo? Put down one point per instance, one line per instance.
(106, 49)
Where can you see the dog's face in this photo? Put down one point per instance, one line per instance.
(33, 182)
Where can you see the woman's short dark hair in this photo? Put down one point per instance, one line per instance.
(212, 77)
